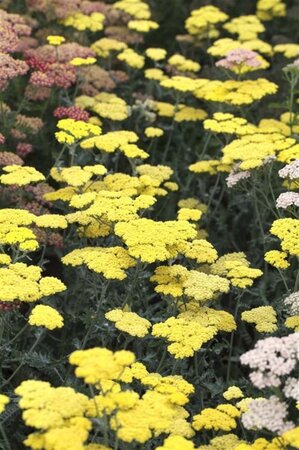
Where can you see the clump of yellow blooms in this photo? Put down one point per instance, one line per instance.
(81, 22)
(189, 114)
(45, 316)
(293, 323)
(76, 175)
(106, 105)
(25, 283)
(129, 322)
(155, 53)
(277, 259)
(268, 9)
(136, 8)
(235, 267)
(58, 414)
(111, 262)
(20, 175)
(142, 26)
(222, 46)
(55, 40)
(105, 46)
(82, 61)
(183, 64)
(202, 22)
(190, 330)
(287, 230)
(233, 392)
(264, 318)
(132, 58)
(229, 124)
(246, 27)
(74, 130)
(288, 50)
(152, 132)
(223, 417)
(233, 92)
(152, 241)
(180, 83)
(175, 442)
(4, 400)
(99, 364)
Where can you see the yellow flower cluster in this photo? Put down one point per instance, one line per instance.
(233, 392)
(106, 105)
(293, 323)
(246, 27)
(233, 92)
(111, 262)
(129, 322)
(20, 175)
(99, 364)
(105, 46)
(202, 22)
(156, 54)
(183, 64)
(132, 58)
(264, 318)
(142, 26)
(75, 175)
(190, 330)
(229, 124)
(222, 46)
(15, 227)
(152, 241)
(55, 40)
(235, 267)
(58, 414)
(223, 417)
(24, 283)
(287, 230)
(152, 132)
(277, 259)
(268, 9)
(4, 400)
(45, 316)
(94, 22)
(175, 442)
(136, 8)
(74, 130)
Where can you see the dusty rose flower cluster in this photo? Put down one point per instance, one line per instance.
(71, 112)
(12, 27)
(23, 149)
(9, 158)
(271, 359)
(64, 8)
(10, 68)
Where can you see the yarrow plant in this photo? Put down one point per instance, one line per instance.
(149, 225)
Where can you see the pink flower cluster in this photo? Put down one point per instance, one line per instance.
(239, 57)
(63, 8)
(292, 303)
(268, 414)
(12, 27)
(287, 199)
(271, 359)
(59, 75)
(10, 68)
(290, 171)
(234, 177)
(72, 112)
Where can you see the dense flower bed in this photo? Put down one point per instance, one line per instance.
(149, 225)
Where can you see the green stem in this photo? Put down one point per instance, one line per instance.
(5, 438)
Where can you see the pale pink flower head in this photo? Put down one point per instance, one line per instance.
(271, 359)
(235, 176)
(287, 199)
(290, 171)
(291, 303)
(267, 414)
(238, 58)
